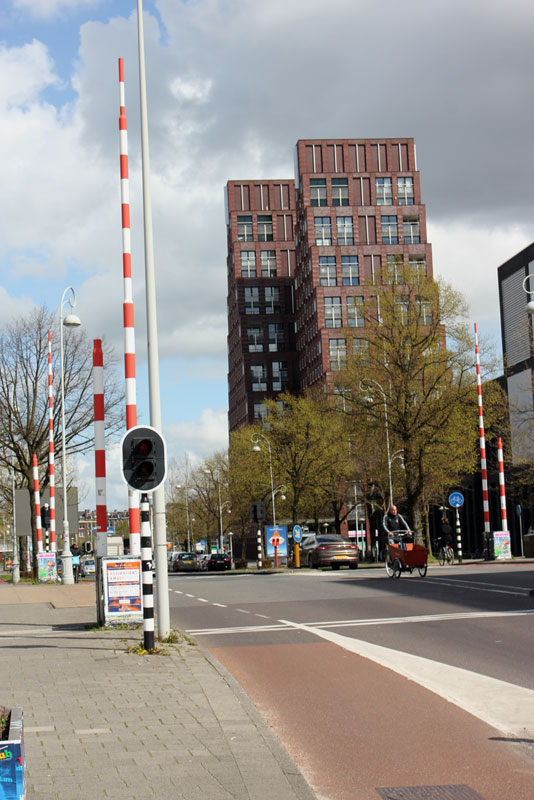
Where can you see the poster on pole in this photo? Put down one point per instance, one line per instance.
(47, 567)
(122, 589)
(501, 545)
(276, 535)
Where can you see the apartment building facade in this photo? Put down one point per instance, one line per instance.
(307, 256)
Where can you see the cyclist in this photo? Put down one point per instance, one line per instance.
(393, 524)
(445, 540)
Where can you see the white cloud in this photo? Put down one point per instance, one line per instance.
(47, 9)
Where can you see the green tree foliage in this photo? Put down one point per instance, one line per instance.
(414, 366)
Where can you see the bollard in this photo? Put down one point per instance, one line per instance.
(458, 538)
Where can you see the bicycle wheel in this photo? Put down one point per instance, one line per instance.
(441, 556)
(397, 568)
(450, 555)
(389, 566)
(422, 571)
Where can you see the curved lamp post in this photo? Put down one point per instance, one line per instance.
(389, 458)
(255, 439)
(70, 321)
(529, 292)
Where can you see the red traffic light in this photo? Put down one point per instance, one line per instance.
(142, 448)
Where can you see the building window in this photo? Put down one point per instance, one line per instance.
(258, 374)
(337, 353)
(323, 231)
(394, 268)
(402, 308)
(260, 411)
(327, 270)
(265, 228)
(268, 263)
(276, 337)
(360, 349)
(405, 191)
(332, 312)
(252, 300)
(384, 192)
(272, 299)
(340, 191)
(355, 312)
(349, 271)
(255, 340)
(244, 229)
(411, 231)
(424, 310)
(345, 233)
(318, 191)
(389, 230)
(248, 264)
(417, 269)
(279, 376)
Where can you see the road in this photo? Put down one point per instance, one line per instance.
(375, 685)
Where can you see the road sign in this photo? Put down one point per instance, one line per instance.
(456, 499)
(297, 534)
(276, 540)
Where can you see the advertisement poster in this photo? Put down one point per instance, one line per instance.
(47, 567)
(501, 540)
(122, 587)
(272, 534)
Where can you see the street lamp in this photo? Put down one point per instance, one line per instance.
(530, 305)
(255, 438)
(222, 506)
(186, 487)
(70, 321)
(389, 458)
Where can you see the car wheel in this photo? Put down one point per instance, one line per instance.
(335, 566)
(310, 561)
(353, 566)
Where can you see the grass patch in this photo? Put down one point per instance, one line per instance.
(139, 650)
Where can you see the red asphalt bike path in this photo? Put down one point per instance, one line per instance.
(354, 726)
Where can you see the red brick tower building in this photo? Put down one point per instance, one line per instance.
(305, 260)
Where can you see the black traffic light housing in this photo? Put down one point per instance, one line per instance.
(143, 458)
(257, 511)
(45, 517)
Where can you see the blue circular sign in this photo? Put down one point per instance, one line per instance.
(456, 499)
(297, 534)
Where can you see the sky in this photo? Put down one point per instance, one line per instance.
(231, 86)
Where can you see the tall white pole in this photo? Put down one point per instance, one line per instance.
(16, 563)
(66, 555)
(160, 536)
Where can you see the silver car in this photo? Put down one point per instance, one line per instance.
(328, 550)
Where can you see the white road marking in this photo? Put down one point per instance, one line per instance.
(243, 611)
(190, 595)
(503, 705)
(478, 587)
(357, 623)
(177, 591)
(219, 605)
(263, 616)
(201, 600)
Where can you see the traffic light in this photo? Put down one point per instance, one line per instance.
(143, 459)
(45, 518)
(257, 510)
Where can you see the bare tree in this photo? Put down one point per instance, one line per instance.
(24, 411)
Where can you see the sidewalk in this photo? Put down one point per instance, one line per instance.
(101, 722)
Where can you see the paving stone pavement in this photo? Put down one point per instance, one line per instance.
(102, 722)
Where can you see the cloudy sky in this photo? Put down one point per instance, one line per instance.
(232, 85)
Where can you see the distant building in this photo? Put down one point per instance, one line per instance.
(517, 347)
(306, 256)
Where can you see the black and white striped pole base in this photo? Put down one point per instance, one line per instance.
(458, 538)
(258, 540)
(146, 575)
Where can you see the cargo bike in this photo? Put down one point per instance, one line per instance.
(405, 556)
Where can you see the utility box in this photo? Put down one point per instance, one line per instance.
(528, 545)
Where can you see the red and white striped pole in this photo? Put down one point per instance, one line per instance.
(502, 491)
(128, 310)
(483, 463)
(100, 449)
(37, 504)
(51, 466)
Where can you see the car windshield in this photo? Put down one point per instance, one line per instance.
(187, 556)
